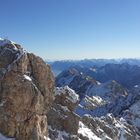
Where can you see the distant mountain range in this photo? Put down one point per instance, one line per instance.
(59, 66)
(125, 74)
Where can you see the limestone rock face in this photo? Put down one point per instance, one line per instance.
(26, 93)
(63, 122)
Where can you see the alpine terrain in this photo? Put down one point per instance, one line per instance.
(81, 103)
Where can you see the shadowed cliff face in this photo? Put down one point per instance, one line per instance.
(26, 93)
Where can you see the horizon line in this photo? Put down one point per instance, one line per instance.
(125, 58)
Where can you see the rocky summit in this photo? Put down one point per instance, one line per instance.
(26, 93)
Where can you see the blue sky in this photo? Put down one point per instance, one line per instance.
(73, 29)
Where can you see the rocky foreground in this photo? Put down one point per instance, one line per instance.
(26, 93)
(32, 109)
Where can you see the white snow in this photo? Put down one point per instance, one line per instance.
(65, 108)
(46, 138)
(2, 103)
(122, 129)
(122, 134)
(93, 69)
(83, 130)
(5, 138)
(92, 101)
(136, 86)
(19, 54)
(4, 41)
(27, 77)
(73, 97)
(60, 134)
(135, 113)
(122, 120)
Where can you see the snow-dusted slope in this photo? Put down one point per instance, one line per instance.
(101, 99)
(132, 113)
(5, 42)
(75, 80)
(64, 124)
(106, 128)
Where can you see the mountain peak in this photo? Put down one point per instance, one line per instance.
(26, 93)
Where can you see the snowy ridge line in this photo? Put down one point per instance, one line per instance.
(73, 97)
(6, 41)
(86, 132)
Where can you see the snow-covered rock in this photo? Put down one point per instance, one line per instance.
(68, 93)
(132, 113)
(101, 99)
(84, 131)
(62, 120)
(76, 81)
(106, 128)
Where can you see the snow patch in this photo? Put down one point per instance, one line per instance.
(136, 86)
(2, 103)
(83, 130)
(46, 138)
(61, 135)
(4, 42)
(73, 97)
(65, 108)
(27, 77)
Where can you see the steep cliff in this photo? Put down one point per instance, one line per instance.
(26, 93)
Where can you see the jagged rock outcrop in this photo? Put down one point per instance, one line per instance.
(109, 97)
(64, 124)
(26, 93)
(132, 113)
(75, 80)
(96, 98)
(106, 128)
(62, 121)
